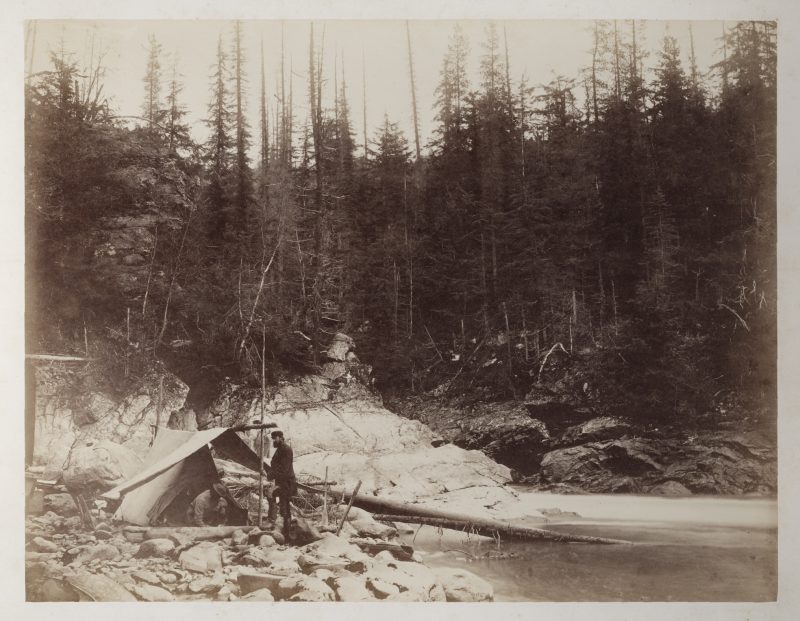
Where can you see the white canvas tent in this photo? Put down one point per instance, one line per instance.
(178, 467)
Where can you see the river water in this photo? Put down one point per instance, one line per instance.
(684, 549)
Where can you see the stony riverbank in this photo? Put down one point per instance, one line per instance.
(365, 562)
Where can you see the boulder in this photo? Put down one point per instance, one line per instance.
(184, 419)
(56, 591)
(310, 564)
(405, 576)
(207, 584)
(260, 595)
(340, 347)
(304, 532)
(149, 577)
(100, 465)
(99, 588)
(61, 504)
(99, 552)
(352, 589)
(155, 548)
(372, 528)
(266, 541)
(152, 593)
(282, 561)
(381, 588)
(168, 578)
(203, 557)
(44, 545)
(304, 588)
(321, 594)
(461, 585)
(332, 546)
(251, 581)
(239, 537)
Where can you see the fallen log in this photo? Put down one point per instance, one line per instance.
(195, 533)
(394, 511)
(497, 530)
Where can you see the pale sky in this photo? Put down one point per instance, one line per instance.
(539, 49)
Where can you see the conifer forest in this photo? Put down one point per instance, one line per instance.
(608, 235)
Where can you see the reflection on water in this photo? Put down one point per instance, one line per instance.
(684, 549)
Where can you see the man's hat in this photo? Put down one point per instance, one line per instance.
(276, 434)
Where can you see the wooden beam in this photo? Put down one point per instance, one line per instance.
(58, 358)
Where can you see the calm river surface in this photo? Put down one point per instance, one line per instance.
(685, 549)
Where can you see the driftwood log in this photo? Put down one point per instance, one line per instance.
(497, 530)
(394, 511)
(195, 533)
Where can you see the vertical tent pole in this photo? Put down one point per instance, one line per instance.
(261, 432)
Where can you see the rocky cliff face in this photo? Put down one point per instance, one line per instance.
(70, 416)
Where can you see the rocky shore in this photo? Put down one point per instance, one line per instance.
(365, 562)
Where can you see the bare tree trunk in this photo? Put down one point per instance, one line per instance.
(290, 116)
(595, 50)
(508, 340)
(410, 261)
(150, 272)
(172, 286)
(413, 92)
(614, 306)
(509, 102)
(364, 100)
(617, 83)
(255, 302)
(282, 133)
(264, 129)
(484, 292)
(396, 280)
(315, 96)
(523, 184)
(525, 334)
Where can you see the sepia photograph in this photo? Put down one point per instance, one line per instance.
(400, 310)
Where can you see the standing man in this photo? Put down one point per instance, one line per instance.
(282, 472)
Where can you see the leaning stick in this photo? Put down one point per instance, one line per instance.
(349, 504)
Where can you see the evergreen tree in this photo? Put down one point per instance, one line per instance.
(218, 149)
(152, 107)
(242, 175)
(177, 131)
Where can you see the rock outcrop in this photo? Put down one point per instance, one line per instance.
(505, 431)
(69, 416)
(356, 438)
(709, 463)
